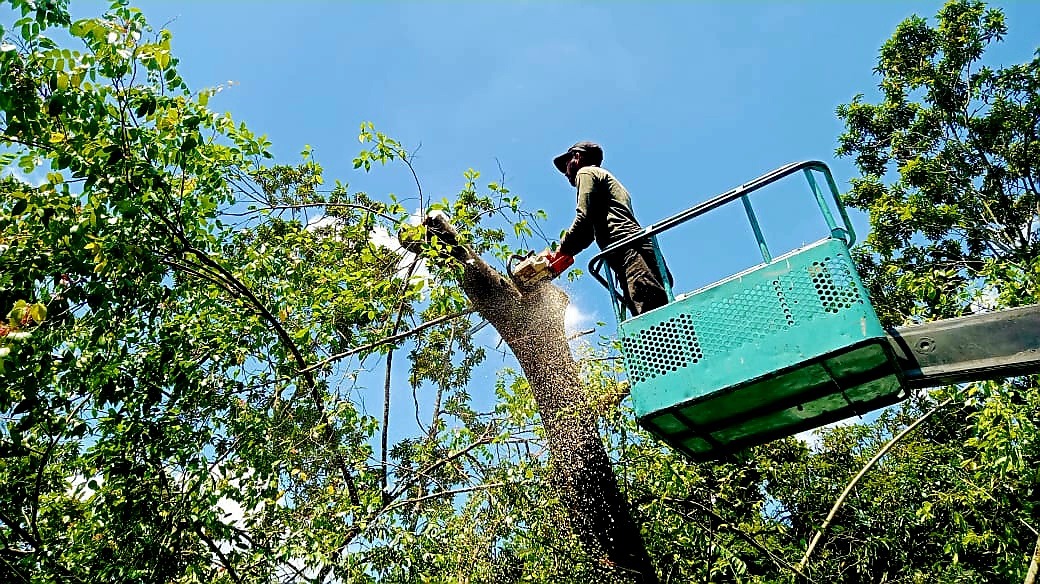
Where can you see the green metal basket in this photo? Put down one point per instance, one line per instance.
(788, 345)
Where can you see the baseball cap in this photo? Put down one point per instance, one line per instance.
(589, 147)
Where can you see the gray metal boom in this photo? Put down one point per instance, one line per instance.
(994, 345)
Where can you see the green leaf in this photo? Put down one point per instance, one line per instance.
(17, 313)
(38, 312)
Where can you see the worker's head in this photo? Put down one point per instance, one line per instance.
(577, 157)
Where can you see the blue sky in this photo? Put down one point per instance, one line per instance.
(688, 99)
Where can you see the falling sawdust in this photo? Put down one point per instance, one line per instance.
(532, 324)
(599, 513)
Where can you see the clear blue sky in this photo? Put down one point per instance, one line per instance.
(687, 98)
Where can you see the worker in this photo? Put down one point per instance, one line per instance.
(605, 214)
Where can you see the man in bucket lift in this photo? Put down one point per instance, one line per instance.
(605, 214)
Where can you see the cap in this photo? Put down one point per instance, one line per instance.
(590, 147)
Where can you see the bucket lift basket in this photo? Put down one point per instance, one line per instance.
(785, 346)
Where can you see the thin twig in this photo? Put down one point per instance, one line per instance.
(452, 492)
(386, 340)
(580, 334)
(406, 157)
(485, 438)
(325, 205)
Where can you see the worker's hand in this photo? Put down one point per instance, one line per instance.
(559, 262)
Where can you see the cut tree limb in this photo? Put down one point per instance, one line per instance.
(531, 322)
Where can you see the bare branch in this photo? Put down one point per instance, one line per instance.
(386, 340)
(852, 484)
(580, 334)
(384, 435)
(299, 206)
(451, 493)
(1034, 565)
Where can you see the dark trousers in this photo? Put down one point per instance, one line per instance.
(638, 274)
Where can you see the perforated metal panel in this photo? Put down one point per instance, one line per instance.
(834, 284)
(746, 316)
(799, 323)
(662, 348)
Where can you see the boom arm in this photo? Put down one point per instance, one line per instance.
(998, 344)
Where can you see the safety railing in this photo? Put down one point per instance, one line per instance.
(845, 232)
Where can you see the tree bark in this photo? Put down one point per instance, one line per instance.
(531, 322)
(1034, 565)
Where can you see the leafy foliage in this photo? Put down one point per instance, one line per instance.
(949, 165)
(960, 139)
(195, 341)
(178, 397)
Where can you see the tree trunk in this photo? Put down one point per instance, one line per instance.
(531, 323)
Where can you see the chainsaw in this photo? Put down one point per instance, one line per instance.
(533, 269)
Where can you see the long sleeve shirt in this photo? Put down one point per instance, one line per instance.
(604, 212)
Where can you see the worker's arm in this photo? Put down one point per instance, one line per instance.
(581, 233)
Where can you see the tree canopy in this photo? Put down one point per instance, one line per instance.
(196, 374)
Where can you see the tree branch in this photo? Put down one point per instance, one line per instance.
(1034, 565)
(780, 562)
(238, 286)
(484, 438)
(19, 531)
(356, 206)
(384, 435)
(387, 340)
(213, 547)
(449, 493)
(870, 464)
(14, 570)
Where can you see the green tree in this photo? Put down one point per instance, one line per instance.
(949, 163)
(950, 166)
(180, 379)
(183, 357)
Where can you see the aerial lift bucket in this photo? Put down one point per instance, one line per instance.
(788, 345)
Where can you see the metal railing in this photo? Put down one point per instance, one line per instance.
(846, 233)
